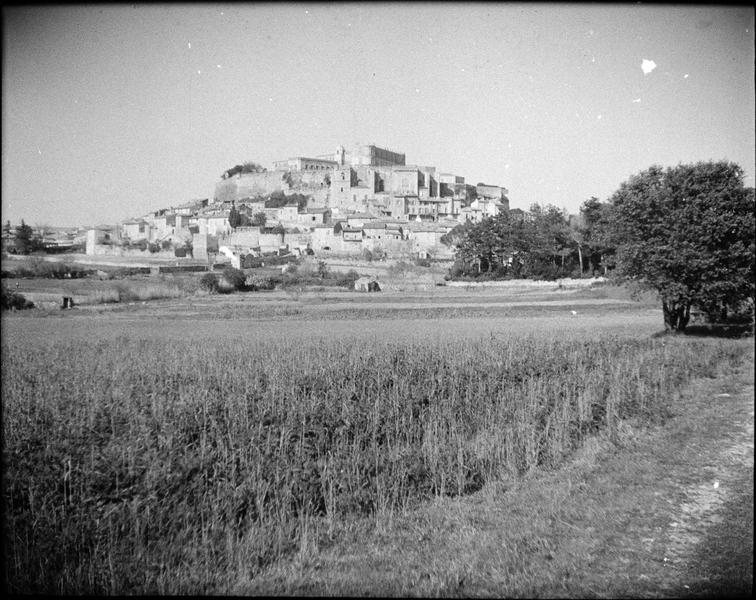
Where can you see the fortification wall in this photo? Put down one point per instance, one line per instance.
(243, 236)
(249, 185)
(311, 183)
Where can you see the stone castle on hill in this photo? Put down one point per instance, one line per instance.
(372, 180)
(365, 199)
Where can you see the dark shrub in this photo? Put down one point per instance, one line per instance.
(13, 300)
(209, 282)
(235, 277)
(422, 262)
(347, 279)
(259, 282)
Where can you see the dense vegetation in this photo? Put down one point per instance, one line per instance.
(246, 167)
(686, 232)
(279, 199)
(537, 244)
(13, 300)
(143, 466)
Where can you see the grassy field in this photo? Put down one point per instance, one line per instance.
(160, 449)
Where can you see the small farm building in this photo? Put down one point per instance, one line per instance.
(367, 284)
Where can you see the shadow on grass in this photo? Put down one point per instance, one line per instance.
(721, 330)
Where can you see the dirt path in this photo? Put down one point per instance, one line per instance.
(666, 513)
(688, 530)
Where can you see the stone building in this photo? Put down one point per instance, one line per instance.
(301, 163)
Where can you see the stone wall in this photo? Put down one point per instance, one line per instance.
(246, 185)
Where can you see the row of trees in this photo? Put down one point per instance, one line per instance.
(544, 243)
(25, 240)
(686, 232)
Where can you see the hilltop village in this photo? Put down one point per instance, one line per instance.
(341, 205)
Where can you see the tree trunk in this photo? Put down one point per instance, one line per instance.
(676, 314)
(580, 258)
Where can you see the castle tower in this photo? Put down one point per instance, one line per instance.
(339, 157)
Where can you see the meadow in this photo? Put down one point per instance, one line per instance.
(149, 455)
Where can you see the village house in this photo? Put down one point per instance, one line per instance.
(480, 209)
(383, 230)
(352, 234)
(135, 230)
(314, 216)
(212, 223)
(361, 199)
(323, 237)
(359, 219)
(426, 238)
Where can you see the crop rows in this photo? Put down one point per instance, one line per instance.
(141, 466)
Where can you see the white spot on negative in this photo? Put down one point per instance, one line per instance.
(637, 100)
(189, 45)
(199, 72)
(218, 66)
(647, 66)
(685, 76)
(598, 117)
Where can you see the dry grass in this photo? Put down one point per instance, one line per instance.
(93, 291)
(608, 524)
(150, 465)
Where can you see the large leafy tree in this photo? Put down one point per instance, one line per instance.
(687, 232)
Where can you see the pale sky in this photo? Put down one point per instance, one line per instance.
(112, 111)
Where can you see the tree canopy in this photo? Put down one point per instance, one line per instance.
(246, 167)
(687, 232)
(234, 217)
(25, 239)
(536, 243)
(278, 199)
